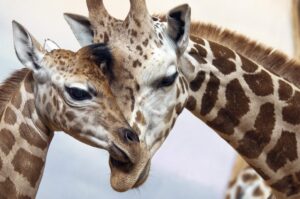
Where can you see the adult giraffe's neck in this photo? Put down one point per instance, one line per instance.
(255, 111)
(24, 139)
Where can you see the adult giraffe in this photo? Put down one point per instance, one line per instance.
(230, 86)
(66, 91)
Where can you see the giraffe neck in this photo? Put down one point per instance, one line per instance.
(24, 139)
(254, 110)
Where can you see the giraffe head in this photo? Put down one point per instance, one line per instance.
(146, 80)
(73, 95)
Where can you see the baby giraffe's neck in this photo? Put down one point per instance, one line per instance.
(255, 111)
(24, 138)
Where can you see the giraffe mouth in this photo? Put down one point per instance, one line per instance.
(119, 159)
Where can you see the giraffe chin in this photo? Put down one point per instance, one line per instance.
(128, 175)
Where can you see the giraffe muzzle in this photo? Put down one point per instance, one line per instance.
(118, 157)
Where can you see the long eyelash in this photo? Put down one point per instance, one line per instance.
(171, 78)
(93, 91)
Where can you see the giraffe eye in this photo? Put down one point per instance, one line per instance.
(78, 94)
(168, 81)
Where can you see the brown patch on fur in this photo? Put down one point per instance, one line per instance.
(7, 141)
(136, 63)
(258, 192)
(132, 98)
(140, 118)
(247, 65)
(44, 99)
(222, 58)
(28, 165)
(7, 189)
(287, 185)
(249, 177)
(32, 136)
(145, 43)
(254, 141)
(10, 116)
(285, 91)
(237, 100)
(177, 92)
(70, 115)
(178, 108)
(17, 100)
(191, 103)
(196, 84)
(134, 33)
(106, 38)
(285, 150)
(237, 105)
(211, 95)
(199, 53)
(140, 49)
(197, 40)
(261, 83)
(28, 108)
(290, 113)
(49, 108)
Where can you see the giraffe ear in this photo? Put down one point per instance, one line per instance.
(28, 50)
(81, 27)
(179, 20)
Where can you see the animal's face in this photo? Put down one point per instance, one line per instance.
(149, 88)
(145, 79)
(72, 94)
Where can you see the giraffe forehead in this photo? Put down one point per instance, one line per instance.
(73, 66)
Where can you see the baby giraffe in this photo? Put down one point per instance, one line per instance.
(62, 91)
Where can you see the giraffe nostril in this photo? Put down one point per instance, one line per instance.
(129, 135)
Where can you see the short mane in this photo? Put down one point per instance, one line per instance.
(10, 86)
(273, 60)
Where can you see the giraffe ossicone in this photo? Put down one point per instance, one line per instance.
(237, 90)
(61, 90)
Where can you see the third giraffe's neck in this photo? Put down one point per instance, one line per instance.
(24, 139)
(255, 111)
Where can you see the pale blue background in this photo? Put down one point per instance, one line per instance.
(194, 162)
